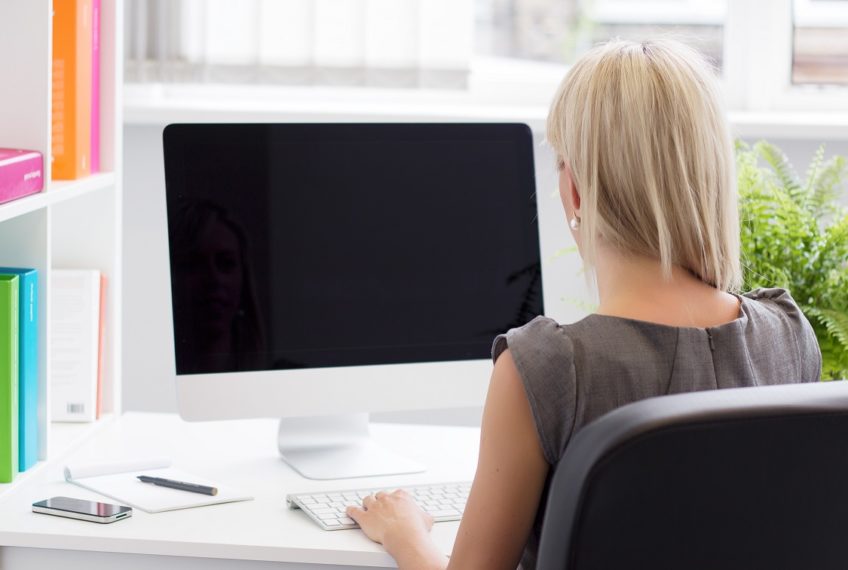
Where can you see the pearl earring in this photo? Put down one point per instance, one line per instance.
(574, 223)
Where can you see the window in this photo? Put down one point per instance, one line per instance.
(415, 43)
(559, 30)
(820, 42)
(774, 55)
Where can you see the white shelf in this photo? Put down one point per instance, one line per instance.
(64, 438)
(58, 191)
(73, 223)
(63, 189)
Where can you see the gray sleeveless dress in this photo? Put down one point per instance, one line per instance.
(575, 373)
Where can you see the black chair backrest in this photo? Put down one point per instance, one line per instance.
(741, 478)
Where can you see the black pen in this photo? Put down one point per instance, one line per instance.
(192, 487)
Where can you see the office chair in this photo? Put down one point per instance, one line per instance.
(742, 478)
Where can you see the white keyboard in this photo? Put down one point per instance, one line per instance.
(443, 501)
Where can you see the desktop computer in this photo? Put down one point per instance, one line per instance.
(320, 272)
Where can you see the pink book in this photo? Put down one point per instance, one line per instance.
(21, 173)
(95, 86)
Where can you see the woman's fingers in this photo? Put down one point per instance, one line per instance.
(356, 513)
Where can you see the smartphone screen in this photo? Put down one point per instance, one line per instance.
(92, 508)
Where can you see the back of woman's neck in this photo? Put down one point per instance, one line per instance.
(634, 287)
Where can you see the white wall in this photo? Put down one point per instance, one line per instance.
(148, 382)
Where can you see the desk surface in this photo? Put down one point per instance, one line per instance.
(242, 454)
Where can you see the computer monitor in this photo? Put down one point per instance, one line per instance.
(323, 271)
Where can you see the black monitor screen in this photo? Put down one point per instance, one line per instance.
(317, 245)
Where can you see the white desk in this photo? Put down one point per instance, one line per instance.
(258, 534)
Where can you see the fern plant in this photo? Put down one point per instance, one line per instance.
(795, 236)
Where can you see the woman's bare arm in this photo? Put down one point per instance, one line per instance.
(510, 477)
(504, 498)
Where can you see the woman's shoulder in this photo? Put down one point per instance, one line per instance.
(539, 332)
(543, 356)
(774, 308)
(773, 300)
(773, 313)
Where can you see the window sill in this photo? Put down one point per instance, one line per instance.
(491, 98)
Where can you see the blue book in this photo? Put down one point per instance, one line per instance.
(27, 365)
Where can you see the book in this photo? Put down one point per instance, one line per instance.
(71, 112)
(21, 173)
(9, 295)
(95, 86)
(118, 480)
(74, 337)
(101, 338)
(27, 365)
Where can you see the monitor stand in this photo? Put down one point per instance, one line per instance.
(338, 447)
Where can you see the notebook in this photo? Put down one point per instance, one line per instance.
(118, 481)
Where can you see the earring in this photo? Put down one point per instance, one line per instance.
(574, 223)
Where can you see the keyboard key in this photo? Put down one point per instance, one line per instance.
(346, 520)
(444, 513)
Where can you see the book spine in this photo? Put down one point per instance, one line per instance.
(9, 294)
(101, 338)
(95, 86)
(21, 176)
(28, 369)
(71, 113)
(74, 306)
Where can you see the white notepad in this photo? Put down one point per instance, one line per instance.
(118, 481)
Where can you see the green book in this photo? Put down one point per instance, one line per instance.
(8, 377)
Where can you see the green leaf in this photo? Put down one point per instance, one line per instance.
(563, 251)
(775, 158)
(827, 185)
(836, 323)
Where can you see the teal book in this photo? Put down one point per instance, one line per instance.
(27, 365)
(9, 295)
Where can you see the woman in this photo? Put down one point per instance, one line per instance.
(646, 177)
(217, 326)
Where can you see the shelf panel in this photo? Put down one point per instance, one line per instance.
(64, 437)
(58, 192)
(62, 190)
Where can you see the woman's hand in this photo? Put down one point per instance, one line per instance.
(387, 516)
(397, 522)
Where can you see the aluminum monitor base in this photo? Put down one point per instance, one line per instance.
(338, 447)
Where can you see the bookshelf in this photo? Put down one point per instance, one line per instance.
(70, 224)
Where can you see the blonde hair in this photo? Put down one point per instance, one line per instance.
(643, 130)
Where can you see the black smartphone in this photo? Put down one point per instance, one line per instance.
(83, 510)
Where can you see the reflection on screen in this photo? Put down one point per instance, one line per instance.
(340, 245)
(93, 508)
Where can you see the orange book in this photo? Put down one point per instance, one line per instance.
(71, 121)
